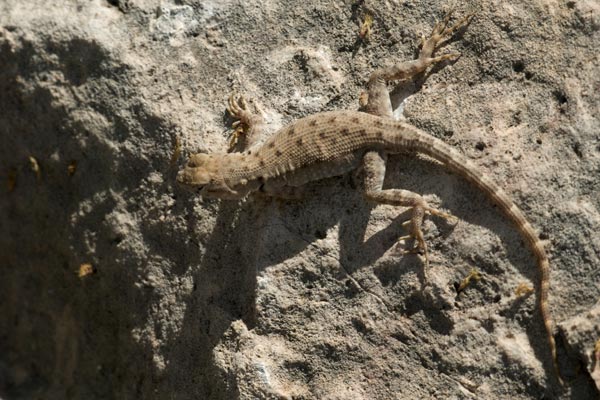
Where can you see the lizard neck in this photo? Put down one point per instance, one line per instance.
(239, 169)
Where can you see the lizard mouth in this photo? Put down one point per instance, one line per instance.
(184, 179)
(181, 177)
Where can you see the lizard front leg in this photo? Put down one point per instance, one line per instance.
(373, 164)
(376, 99)
(247, 126)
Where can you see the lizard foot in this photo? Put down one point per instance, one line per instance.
(416, 233)
(440, 34)
(246, 120)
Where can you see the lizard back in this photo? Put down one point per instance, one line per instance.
(319, 146)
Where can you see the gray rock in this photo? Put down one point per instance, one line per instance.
(116, 283)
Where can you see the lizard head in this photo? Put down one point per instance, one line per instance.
(203, 173)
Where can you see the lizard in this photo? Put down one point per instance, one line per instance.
(332, 143)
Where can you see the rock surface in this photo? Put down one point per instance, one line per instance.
(582, 335)
(116, 283)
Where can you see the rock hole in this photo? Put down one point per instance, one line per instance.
(518, 66)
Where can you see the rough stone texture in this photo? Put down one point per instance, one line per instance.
(204, 299)
(582, 335)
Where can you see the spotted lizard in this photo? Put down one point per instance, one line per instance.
(332, 143)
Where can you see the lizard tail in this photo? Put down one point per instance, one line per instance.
(424, 143)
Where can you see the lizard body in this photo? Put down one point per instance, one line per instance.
(333, 143)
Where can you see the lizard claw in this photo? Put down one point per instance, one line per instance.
(438, 213)
(449, 57)
(440, 34)
(416, 233)
(237, 107)
(440, 26)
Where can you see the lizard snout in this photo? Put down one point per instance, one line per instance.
(185, 178)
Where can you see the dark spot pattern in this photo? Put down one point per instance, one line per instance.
(271, 145)
(278, 153)
(299, 142)
(378, 123)
(261, 163)
(345, 131)
(332, 119)
(355, 120)
(313, 122)
(322, 135)
(292, 131)
(379, 134)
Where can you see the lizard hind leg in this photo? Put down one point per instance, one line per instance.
(375, 99)
(374, 174)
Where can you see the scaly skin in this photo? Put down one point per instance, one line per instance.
(333, 143)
